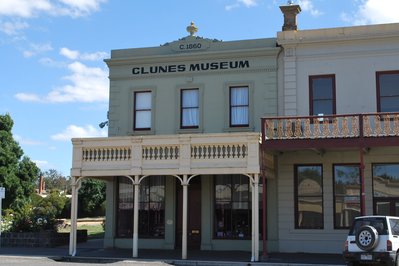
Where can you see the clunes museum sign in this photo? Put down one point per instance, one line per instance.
(193, 67)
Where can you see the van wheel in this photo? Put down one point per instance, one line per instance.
(367, 238)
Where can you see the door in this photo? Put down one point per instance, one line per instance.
(193, 215)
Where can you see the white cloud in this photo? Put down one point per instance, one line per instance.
(70, 54)
(29, 8)
(307, 5)
(73, 131)
(46, 61)
(87, 84)
(27, 97)
(74, 55)
(27, 142)
(13, 27)
(375, 12)
(41, 164)
(239, 3)
(24, 8)
(35, 49)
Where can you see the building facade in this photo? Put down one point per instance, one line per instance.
(184, 132)
(336, 138)
(211, 142)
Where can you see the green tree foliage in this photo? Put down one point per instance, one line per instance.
(16, 176)
(54, 180)
(91, 198)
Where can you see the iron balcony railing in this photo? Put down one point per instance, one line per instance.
(348, 129)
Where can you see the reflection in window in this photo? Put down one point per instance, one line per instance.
(309, 197)
(232, 207)
(386, 180)
(151, 207)
(386, 189)
(347, 191)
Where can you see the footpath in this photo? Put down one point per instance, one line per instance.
(92, 252)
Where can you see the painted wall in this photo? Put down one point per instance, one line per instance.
(259, 72)
(327, 240)
(353, 54)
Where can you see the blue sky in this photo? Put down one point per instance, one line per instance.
(54, 83)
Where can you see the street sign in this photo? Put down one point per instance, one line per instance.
(2, 192)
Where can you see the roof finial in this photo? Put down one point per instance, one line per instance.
(192, 29)
(290, 2)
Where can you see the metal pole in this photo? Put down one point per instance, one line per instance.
(256, 216)
(74, 214)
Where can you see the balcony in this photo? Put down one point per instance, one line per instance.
(335, 131)
(190, 154)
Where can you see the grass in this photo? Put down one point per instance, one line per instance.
(94, 230)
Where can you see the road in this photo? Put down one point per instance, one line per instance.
(41, 261)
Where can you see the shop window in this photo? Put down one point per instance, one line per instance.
(232, 207)
(309, 197)
(239, 106)
(386, 189)
(142, 110)
(322, 95)
(387, 91)
(151, 207)
(347, 195)
(189, 108)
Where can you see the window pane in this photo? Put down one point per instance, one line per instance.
(389, 84)
(310, 212)
(347, 194)
(389, 104)
(239, 115)
(322, 88)
(323, 107)
(190, 98)
(322, 95)
(151, 208)
(239, 106)
(386, 180)
(190, 108)
(309, 181)
(143, 119)
(239, 96)
(232, 207)
(388, 91)
(223, 188)
(240, 188)
(383, 208)
(143, 100)
(309, 201)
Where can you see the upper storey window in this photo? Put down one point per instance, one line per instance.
(239, 106)
(388, 91)
(142, 110)
(189, 108)
(322, 95)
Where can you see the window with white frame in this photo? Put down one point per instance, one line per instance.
(142, 110)
(239, 106)
(189, 116)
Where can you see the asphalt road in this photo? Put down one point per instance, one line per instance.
(41, 261)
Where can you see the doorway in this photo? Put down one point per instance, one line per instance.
(193, 214)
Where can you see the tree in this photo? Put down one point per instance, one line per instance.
(16, 176)
(55, 181)
(91, 198)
